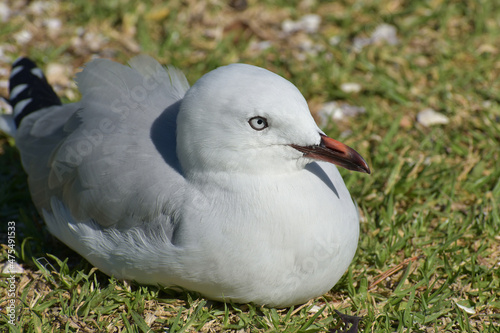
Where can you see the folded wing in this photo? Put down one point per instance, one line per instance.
(110, 157)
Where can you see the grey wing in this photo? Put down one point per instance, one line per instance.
(112, 156)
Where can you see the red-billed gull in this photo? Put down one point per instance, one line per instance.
(227, 188)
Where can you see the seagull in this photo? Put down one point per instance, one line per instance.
(227, 188)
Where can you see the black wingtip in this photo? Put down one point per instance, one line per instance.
(29, 90)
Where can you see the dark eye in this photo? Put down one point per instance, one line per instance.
(258, 123)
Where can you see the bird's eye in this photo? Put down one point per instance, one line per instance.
(258, 123)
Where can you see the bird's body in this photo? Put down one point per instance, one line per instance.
(216, 188)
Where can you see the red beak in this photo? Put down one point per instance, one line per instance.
(333, 151)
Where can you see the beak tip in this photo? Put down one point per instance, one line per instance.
(366, 168)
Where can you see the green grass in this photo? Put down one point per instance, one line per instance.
(430, 209)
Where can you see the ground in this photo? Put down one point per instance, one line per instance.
(413, 86)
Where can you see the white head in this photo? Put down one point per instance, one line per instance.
(245, 119)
